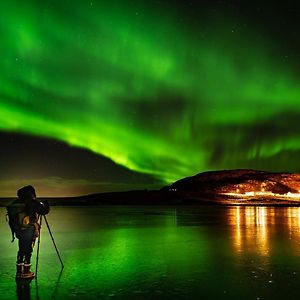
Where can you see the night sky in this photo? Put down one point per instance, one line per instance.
(116, 95)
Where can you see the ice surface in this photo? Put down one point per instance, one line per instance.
(143, 252)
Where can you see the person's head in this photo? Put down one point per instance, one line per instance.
(26, 193)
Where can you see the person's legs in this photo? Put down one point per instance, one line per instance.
(20, 254)
(20, 258)
(26, 238)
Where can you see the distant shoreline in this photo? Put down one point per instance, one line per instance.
(160, 197)
(240, 187)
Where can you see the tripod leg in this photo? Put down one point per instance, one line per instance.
(38, 249)
(62, 265)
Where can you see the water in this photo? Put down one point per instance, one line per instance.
(162, 253)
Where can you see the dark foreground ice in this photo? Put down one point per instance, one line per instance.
(130, 252)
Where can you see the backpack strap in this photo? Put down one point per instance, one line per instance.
(13, 236)
(12, 231)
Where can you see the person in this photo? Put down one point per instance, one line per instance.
(28, 229)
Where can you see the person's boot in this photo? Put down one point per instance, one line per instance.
(20, 268)
(26, 272)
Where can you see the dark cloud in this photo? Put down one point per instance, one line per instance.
(23, 156)
(233, 141)
(156, 113)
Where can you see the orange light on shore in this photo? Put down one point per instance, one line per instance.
(262, 195)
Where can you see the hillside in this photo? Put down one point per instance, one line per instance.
(240, 186)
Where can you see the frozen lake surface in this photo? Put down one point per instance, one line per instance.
(142, 252)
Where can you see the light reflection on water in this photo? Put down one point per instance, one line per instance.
(254, 228)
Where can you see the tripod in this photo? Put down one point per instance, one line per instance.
(38, 246)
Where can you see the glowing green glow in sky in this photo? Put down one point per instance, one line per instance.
(140, 86)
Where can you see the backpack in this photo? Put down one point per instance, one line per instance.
(16, 217)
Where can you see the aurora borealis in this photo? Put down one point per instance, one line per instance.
(167, 89)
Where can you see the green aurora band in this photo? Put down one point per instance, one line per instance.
(155, 95)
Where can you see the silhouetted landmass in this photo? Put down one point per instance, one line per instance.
(215, 187)
(244, 180)
(139, 197)
(265, 187)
